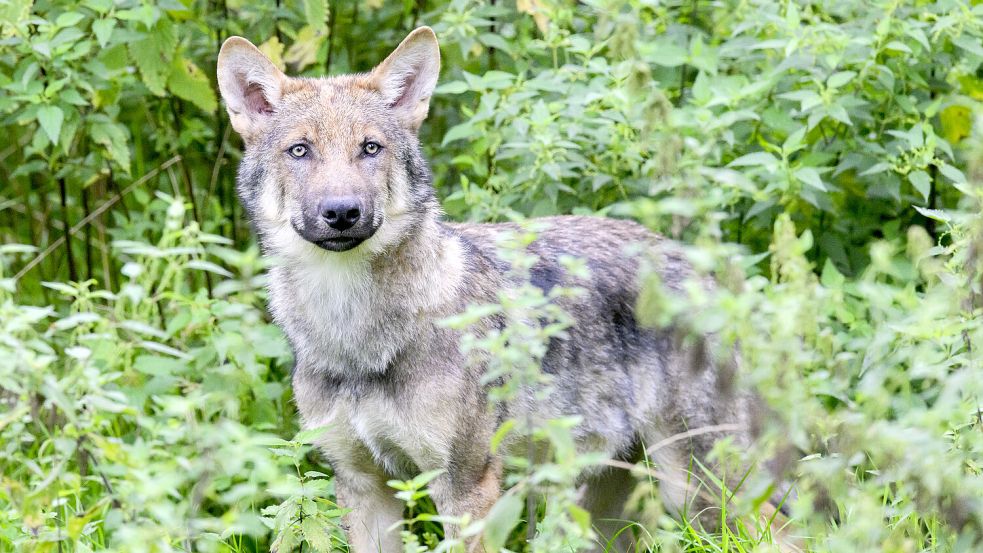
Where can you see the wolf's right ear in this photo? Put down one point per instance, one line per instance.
(250, 84)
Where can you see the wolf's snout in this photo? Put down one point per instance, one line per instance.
(340, 213)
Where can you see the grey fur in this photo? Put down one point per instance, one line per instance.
(372, 362)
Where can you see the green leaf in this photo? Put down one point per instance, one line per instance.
(202, 265)
(153, 55)
(457, 132)
(156, 365)
(580, 515)
(500, 434)
(753, 159)
(503, 517)
(68, 19)
(308, 436)
(922, 182)
(100, 6)
(495, 40)
(668, 54)
(317, 534)
(836, 80)
(114, 138)
(103, 29)
(970, 44)
(934, 214)
(454, 87)
(811, 177)
(953, 174)
(897, 46)
(793, 143)
(190, 83)
(303, 51)
(316, 14)
(51, 118)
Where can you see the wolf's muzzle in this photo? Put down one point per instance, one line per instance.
(337, 223)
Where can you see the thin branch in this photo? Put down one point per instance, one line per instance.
(730, 427)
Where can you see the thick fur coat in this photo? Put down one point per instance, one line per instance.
(336, 186)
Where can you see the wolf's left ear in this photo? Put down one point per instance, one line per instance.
(250, 85)
(408, 76)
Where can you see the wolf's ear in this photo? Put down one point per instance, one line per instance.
(250, 84)
(408, 76)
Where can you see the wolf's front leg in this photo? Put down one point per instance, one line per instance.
(468, 491)
(374, 512)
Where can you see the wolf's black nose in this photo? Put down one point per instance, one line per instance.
(340, 213)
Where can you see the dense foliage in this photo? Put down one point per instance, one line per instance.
(823, 159)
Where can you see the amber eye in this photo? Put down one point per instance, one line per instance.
(298, 151)
(371, 148)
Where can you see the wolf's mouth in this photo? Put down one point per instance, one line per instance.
(340, 244)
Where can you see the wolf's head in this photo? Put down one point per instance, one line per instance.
(335, 160)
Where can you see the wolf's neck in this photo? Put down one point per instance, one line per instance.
(352, 315)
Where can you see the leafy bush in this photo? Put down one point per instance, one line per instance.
(824, 160)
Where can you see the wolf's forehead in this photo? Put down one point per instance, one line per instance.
(331, 110)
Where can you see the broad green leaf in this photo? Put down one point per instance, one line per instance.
(317, 533)
(273, 49)
(458, 132)
(922, 182)
(156, 365)
(668, 54)
(316, 14)
(153, 55)
(190, 83)
(303, 51)
(68, 19)
(754, 159)
(970, 44)
(953, 174)
(103, 29)
(934, 214)
(115, 139)
(51, 117)
(581, 516)
(836, 80)
(454, 87)
(831, 277)
(898, 46)
(308, 436)
(811, 177)
(503, 517)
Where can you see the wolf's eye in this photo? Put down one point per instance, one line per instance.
(298, 151)
(371, 148)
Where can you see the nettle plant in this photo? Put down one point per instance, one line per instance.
(874, 382)
(844, 116)
(141, 420)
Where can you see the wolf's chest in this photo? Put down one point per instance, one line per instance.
(401, 436)
(338, 321)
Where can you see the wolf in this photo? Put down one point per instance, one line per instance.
(365, 268)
